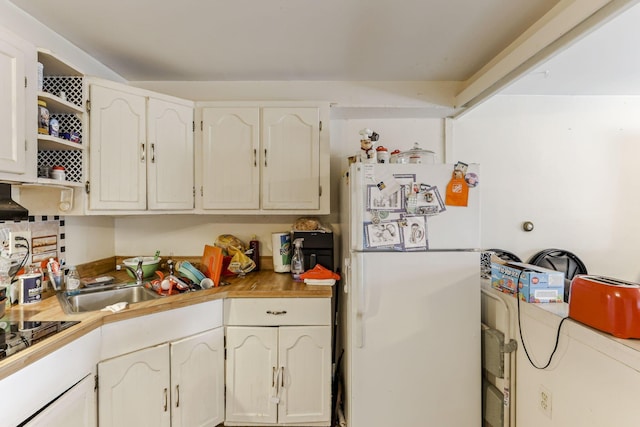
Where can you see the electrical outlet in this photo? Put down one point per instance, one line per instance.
(544, 401)
(16, 243)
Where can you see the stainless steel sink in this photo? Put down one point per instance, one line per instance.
(83, 300)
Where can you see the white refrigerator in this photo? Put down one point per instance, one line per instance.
(410, 307)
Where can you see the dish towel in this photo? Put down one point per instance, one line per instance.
(319, 273)
(119, 306)
(326, 282)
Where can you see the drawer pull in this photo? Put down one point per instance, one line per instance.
(277, 313)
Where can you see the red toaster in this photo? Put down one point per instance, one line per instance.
(607, 304)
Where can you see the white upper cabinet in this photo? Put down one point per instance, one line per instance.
(230, 171)
(63, 93)
(269, 158)
(170, 156)
(141, 155)
(291, 158)
(15, 57)
(117, 166)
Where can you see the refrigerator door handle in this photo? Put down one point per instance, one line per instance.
(358, 280)
(347, 275)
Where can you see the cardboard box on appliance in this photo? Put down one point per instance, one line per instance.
(531, 282)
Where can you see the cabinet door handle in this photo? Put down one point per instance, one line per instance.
(265, 157)
(142, 152)
(255, 158)
(177, 395)
(277, 313)
(282, 377)
(273, 376)
(153, 153)
(166, 399)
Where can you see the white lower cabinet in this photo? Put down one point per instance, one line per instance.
(75, 408)
(197, 379)
(180, 383)
(278, 374)
(56, 390)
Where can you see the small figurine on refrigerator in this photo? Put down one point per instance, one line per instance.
(367, 151)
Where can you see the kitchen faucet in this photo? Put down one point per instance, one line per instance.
(138, 273)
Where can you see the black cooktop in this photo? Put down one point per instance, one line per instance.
(16, 336)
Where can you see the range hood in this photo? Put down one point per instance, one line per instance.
(10, 210)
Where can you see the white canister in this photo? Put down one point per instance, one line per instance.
(281, 248)
(58, 173)
(383, 155)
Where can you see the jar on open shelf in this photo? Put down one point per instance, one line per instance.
(43, 118)
(58, 172)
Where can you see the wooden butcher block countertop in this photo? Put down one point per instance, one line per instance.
(261, 284)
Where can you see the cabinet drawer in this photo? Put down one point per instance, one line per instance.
(145, 331)
(277, 311)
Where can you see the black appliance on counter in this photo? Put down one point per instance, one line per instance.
(317, 248)
(16, 336)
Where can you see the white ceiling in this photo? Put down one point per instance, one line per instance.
(321, 40)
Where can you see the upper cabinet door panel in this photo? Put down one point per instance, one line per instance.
(12, 109)
(291, 150)
(230, 160)
(118, 149)
(170, 156)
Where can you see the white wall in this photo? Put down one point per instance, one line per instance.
(569, 164)
(420, 98)
(88, 239)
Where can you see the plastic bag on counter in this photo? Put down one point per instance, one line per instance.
(230, 244)
(309, 224)
(240, 263)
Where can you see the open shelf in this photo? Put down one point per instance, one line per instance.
(54, 66)
(58, 105)
(57, 182)
(48, 142)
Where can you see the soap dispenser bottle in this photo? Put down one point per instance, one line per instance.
(297, 261)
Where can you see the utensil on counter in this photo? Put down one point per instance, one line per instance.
(206, 283)
(212, 263)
